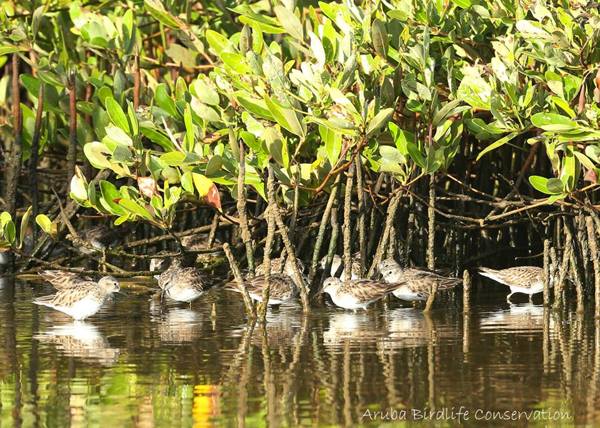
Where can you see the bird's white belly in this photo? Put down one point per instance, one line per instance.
(272, 301)
(82, 309)
(393, 277)
(404, 293)
(538, 287)
(184, 295)
(348, 301)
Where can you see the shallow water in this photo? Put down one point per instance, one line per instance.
(138, 363)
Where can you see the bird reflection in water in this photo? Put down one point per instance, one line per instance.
(517, 318)
(356, 328)
(81, 340)
(179, 325)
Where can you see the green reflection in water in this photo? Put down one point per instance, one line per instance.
(140, 364)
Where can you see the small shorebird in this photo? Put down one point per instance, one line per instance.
(199, 242)
(78, 297)
(356, 294)
(277, 266)
(338, 262)
(182, 284)
(521, 279)
(283, 289)
(97, 238)
(414, 284)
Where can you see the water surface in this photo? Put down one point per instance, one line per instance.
(140, 363)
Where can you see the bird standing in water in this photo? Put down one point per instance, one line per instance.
(521, 279)
(182, 284)
(414, 284)
(356, 294)
(283, 288)
(79, 297)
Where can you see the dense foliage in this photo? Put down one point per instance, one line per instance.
(165, 92)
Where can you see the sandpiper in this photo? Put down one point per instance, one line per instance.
(182, 284)
(521, 279)
(338, 262)
(415, 284)
(94, 239)
(283, 289)
(356, 294)
(199, 242)
(78, 297)
(277, 266)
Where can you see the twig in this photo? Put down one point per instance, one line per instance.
(595, 256)
(390, 215)
(298, 279)
(250, 311)
(262, 310)
(72, 153)
(241, 206)
(347, 225)
(322, 228)
(362, 238)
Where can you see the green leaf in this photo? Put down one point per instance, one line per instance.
(44, 222)
(135, 208)
(333, 143)
(181, 55)
(553, 122)
(173, 158)
(158, 12)
(205, 92)
(465, 4)
(97, 153)
(415, 154)
(378, 121)
(449, 109)
(539, 183)
(216, 41)
(110, 198)
(277, 146)
(262, 22)
(164, 100)
(190, 133)
(401, 138)
(202, 183)
(286, 117)
(475, 90)
(156, 136)
(236, 61)
(6, 50)
(289, 22)
(593, 152)
(555, 186)
(255, 106)
(379, 38)
(498, 143)
(213, 166)
(117, 115)
(23, 226)
(9, 231)
(552, 186)
(78, 188)
(116, 137)
(585, 161)
(5, 218)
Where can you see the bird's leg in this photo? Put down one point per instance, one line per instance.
(531, 298)
(508, 297)
(103, 268)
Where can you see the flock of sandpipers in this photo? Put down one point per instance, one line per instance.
(81, 297)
